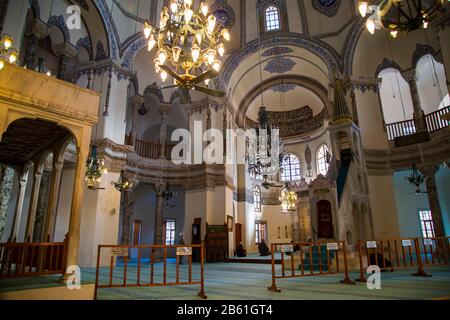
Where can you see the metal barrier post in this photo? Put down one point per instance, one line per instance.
(202, 273)
(362, 277)
(346, 277)
(420, 272)
(273, 287)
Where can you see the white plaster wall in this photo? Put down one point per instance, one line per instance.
(195, 207)
(408, 204)
(443, 188)
(382, 200)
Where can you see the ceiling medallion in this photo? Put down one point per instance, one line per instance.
(327, 7)
(189, 43)
(399, 15)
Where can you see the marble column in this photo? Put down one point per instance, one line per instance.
(127, 211)
(23, 179)
(159, 211)
(433, 199)
(52, 207)
(7, 177)
(65, 51)
(419, 116)
(34, 198)
(135, 102)
(38, 30)
(164, 111)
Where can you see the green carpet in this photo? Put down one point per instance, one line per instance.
(250, 281)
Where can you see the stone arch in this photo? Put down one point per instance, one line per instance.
(386, 64)
(58, 22)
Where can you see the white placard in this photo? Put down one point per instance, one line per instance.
(184, 251)
(371, 244)
(119, 252)
(287, 248)
(428, 242)
(332, 246)
(406, 243)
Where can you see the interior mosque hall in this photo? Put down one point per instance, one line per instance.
(224, 150)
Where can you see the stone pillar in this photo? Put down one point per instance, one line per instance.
(73, 245)
(159, 211)
(127, 211)
(164, 111)
(7, 177)
(419, 116)
(433, 199)
(39, 30)
(42, 206)
(52, 207)
(23, 179)
(135, 102)
(37, 177)
(65, 51)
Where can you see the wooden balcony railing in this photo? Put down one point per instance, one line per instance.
(435, 122)
(151, 150)
(400, 129)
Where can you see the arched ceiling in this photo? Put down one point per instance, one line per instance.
(290, 97)
(276, 62)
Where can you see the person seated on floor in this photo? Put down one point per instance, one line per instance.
(240, 251)
(263, 249)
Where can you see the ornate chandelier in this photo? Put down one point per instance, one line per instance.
(189, 43)
(264, 154)
(416, 178)
(399, 15)
(288, 199)
(95, 168)
(125, 185)
(7, 51)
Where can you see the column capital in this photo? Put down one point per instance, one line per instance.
(65, 49)
(136, 101)
(39, 29)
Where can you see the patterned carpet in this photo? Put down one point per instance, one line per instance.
(242, 281)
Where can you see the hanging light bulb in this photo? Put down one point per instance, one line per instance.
(221, 49)
(204, 8)
(425, 24)
(13, 56)
(207, 82)
(162, 56)
(187, 3)
(2, 63)
(176, 51)
(226, 34)
(370, 25)
(199, 38)
(195, 52)
(188, 14)
(211, 23)
(164, 18)
(147, 30)
(216, 65)
(151, 43)
(211, 56)
(48, 73)
(157, 66)
(163, 76)
(363, 7)
(7, 41)
(394, 34)
(174, 6)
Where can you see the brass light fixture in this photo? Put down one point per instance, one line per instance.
(189, 43)
(399, 15)
(95, 168)
(125, 185)
(288, 199)
(7, 51)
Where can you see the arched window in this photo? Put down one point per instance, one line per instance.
(322, 160)
(272, 18)
(290, 168)
(257, 199)
(395, 97)
(431, 84)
